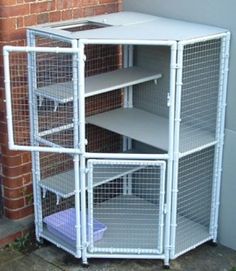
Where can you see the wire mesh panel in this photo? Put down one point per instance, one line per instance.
(57, 174)
(127, 197)
(101, 59)
(201, 69)
(42, 87)
(59, 221)
(194, 199)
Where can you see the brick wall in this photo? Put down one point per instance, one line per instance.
(15, 17)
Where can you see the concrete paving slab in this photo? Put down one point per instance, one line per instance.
(29, 263)
(51, 258)
(204, 258)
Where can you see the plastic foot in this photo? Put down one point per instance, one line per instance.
(166, 266)
(41, 241)
(213, 243)
(85, 265)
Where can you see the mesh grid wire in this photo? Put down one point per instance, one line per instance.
(149, 96)
(128, 206)
(49, 77)
(101, 59)
(201, 69)
(59, 219)
(194, 198)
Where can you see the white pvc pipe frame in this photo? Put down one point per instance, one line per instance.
(8, 49)
(81, 150)
(162, 166)
(178, 155)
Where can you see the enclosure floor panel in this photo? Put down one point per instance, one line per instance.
(63, 92)
(63, 184)
(189, 233)
(146, 127)
(131, 223)
(57, 241)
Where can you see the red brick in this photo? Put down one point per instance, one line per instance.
(62, 4)
(105, 9)
(40, 7)
(10, 238)
(76, 3)
(30, 20)
(26, 157)
(89, 2)
(18, 214)
(19, 22)
(66, 14)
(14, 203)
(17, 182)
(16, 171)
(7, 2)
(89, 11)
(13, 11)
(54, 16)
(11, 161)
(42, 18)
(18, 192)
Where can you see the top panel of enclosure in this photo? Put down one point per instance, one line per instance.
(128, 26)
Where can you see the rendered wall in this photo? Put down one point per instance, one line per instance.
(222, 14)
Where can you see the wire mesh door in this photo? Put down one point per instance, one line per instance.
(126, 206)
(42, 98)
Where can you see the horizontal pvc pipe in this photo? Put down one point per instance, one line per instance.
(126, 156)
(59, 35)
(202, 39)
(15, 147)
(56, 129)
(126, 256)
(27, 49)
(130, 42)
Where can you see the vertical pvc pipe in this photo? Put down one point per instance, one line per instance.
(176, 148)
(171, 104)
(76, 89)
(82, 148)
(90, 206)
(221, 139)
(8, 97)
(217, 134)
(162, 200)
(33, 111)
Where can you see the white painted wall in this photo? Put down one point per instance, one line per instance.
(219, 13)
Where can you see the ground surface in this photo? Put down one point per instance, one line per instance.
(50, 258)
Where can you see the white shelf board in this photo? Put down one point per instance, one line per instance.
(136, 124)
(63, 184)
(97, 84)
(147, 128)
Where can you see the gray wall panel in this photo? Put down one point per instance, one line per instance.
(222, 14)
(227, 227)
